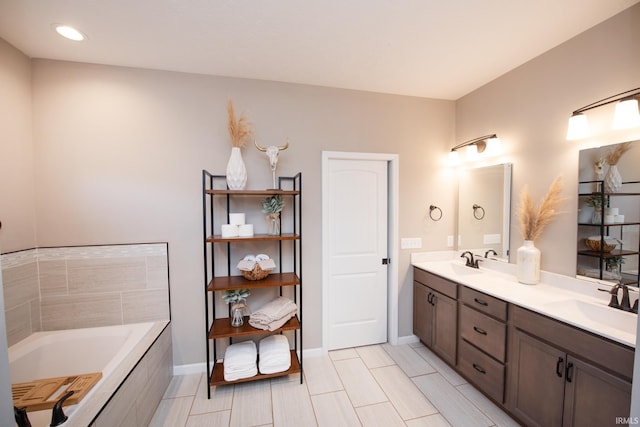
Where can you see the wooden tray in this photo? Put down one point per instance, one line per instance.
(41, 394)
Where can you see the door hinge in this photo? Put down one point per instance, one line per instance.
(386, 261)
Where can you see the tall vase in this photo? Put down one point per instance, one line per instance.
(613, 180)
(528, 263)
(236, 170)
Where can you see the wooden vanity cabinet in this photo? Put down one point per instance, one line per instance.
(562, 376)
(435, 314)
(482, 341)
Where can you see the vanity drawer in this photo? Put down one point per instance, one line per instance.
(485, 372)
(484, 332)
(436, 283)
(483, 302)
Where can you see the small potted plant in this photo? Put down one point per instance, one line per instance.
(614, 265)
(237, 298)
(596, 202)
(272, 206)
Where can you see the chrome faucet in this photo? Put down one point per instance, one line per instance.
(470, 261)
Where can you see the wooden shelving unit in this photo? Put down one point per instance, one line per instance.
(215, 282)
(604, 229)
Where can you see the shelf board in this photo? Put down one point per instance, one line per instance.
(224, 283)
(608, 194)
(222, 328)
(606, 255)
(268, 192)
(217, 376)
(217, 238)
(615, 224)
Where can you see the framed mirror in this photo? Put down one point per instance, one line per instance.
(484, 210)
(608, 222)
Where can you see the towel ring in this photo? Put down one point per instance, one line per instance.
(477, 208)
(438, 212)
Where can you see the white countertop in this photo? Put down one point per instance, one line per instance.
(570, 300)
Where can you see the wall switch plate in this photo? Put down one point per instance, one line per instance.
(449, 241)
(411, 243)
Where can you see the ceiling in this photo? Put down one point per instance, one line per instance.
(428, 48)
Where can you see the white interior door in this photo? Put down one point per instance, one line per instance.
(357, 286)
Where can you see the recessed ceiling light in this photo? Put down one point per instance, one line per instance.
(69, 32)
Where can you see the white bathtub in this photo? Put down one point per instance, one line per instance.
(110, 350)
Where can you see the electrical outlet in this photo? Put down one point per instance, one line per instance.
(411, 243)
(449, 241)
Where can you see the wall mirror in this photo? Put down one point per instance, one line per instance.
(608, 245)
(484, 210)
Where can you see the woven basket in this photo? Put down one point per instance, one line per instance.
(594, 245)
(256, 274)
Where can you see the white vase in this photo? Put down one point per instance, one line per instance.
(613, 180)
(236, 170)
(528, 263)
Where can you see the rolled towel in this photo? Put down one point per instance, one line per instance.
(275, 355)
(240, 361)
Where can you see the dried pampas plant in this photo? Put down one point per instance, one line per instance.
(614, 155)
(240, 129)
(533, 219)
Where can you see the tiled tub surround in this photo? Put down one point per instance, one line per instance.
(49, 289)
(556, 296)
(136, 369)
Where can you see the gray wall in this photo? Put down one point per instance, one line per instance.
(118, 154)
(529, 108)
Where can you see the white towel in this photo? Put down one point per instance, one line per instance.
(275, 355)
(274, 314)
(240, 361)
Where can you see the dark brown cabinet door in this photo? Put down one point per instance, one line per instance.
(445, 321)
(422, 313)
(536, 381)
(594, 397)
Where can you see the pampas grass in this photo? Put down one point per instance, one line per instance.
(533, 219)
(239, 129)
(614, 155)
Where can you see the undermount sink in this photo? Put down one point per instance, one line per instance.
(587, 312)
(463, 269)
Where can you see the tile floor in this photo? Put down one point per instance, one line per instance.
(380, 385)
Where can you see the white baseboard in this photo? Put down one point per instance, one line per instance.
(193, 368)
(409, 339)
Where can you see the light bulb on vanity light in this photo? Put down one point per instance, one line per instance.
(578, 127)
(471, 152)
(454, 158)
(626, 115)
(493, 146)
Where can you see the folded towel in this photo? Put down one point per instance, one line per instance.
(271, 326)
(275, 355)
(267, 264)
(240, 361)
(274, 310)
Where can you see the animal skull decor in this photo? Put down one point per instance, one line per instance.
(272, 152)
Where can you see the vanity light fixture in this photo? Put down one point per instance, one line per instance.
(626, 114)
(69, 32)
(487, 145)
